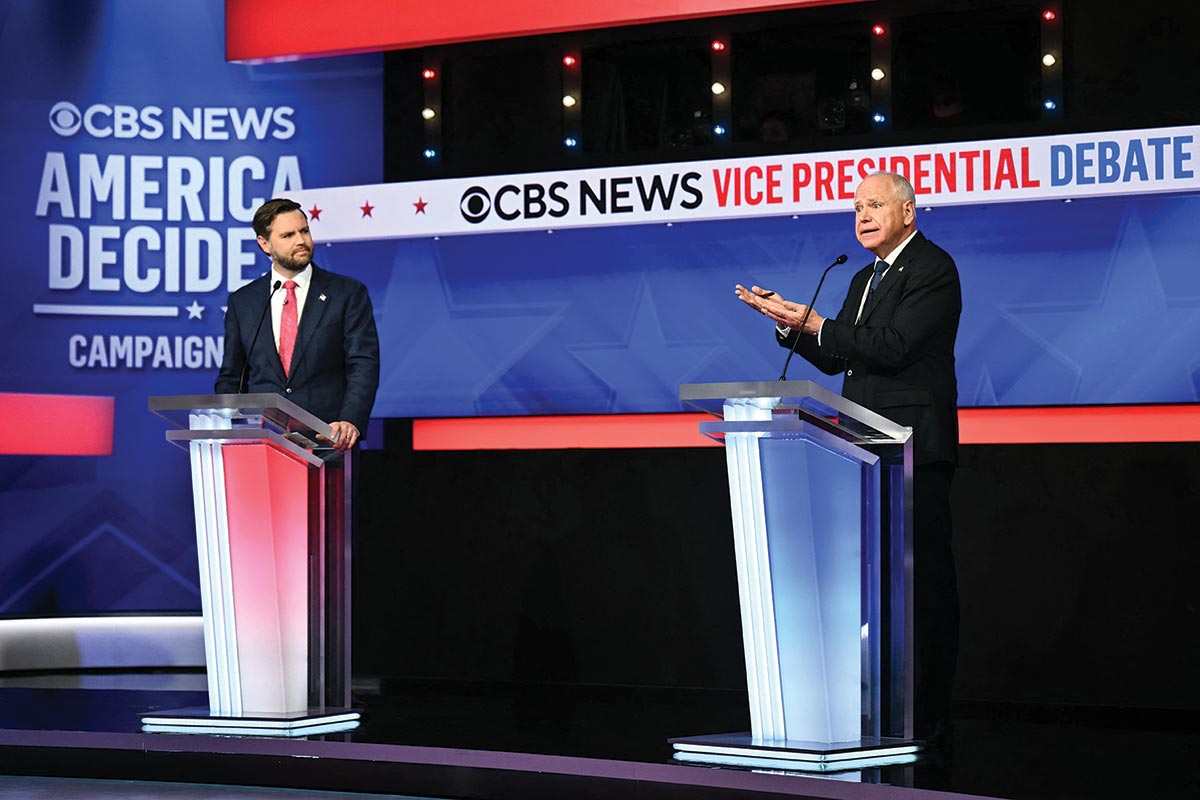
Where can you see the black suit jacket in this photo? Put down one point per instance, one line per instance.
(335, 365)
(899, 359)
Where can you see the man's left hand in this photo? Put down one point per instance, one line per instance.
(345, 435)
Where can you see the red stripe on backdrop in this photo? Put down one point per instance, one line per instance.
(56, 425)
(1079, 424)
(1056, 425)
(599, 431)
(274, 29)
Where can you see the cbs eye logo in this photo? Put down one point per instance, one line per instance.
(65, 118)
(475, 204)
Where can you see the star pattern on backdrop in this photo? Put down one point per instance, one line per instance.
(1123, 346)
(420, 206)
(453, 349)
(195, 310)
(366, 208)
(643, 365)
(315, 213)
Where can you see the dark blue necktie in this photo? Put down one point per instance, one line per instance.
(880, 268)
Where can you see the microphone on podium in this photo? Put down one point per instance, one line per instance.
(246, 367)
(839, 260)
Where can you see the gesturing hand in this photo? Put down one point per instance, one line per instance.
(783, 312)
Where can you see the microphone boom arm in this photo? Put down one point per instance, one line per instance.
(839, 260)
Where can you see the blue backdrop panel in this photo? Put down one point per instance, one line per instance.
(111, 109)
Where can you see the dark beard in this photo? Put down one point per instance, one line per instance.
(294, 264)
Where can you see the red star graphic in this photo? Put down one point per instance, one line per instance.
(420, 204)
(315, 213)
(367, 208)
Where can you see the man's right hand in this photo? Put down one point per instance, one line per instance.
(784, 312)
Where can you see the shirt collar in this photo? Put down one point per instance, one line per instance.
(892, 256)
(302, 279)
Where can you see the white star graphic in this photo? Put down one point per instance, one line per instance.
(195, 310)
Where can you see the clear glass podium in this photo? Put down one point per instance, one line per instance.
(272, 507)
(820, 490)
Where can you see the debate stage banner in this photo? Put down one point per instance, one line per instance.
(602, 290)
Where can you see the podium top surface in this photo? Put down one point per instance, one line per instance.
(804, 398)
(248, 409)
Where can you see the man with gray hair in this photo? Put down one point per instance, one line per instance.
(893, 340)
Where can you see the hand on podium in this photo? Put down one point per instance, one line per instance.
(345, 435)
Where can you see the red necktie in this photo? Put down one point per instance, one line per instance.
(288, 322)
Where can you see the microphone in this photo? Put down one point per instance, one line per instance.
(245, 379)
(839, 260)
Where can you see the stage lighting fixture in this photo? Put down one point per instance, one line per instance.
(877, 74)
(1050, 105)
(430, 153)
(570, 141)
(718, 88)
(428, 74)
(1049, 15)
(428, 113)
(719, 130)
(718, 45)
(879, 119)
(878, 30)
(570, 61)
(1049, 60)
(569, 101)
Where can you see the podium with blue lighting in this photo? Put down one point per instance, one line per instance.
(820, 492)
(272, 507)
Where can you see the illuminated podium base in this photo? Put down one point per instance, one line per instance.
(200, 720)
(743, 750)
(820, 492)
(272, 509)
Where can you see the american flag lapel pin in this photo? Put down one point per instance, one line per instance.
(322, 298)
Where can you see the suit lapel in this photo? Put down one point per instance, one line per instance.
(858, 285)
(314, 308)
(265, 347)
(892, 278)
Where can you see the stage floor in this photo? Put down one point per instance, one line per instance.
(441, 739)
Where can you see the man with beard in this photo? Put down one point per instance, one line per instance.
(893, 342)
(322, 350)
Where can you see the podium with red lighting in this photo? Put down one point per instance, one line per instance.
(272, 507)
(820, 492)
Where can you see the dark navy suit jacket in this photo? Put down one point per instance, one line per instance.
(335, 364)
(898, 360)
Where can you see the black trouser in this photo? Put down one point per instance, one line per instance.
(935, 596)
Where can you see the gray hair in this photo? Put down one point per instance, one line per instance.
(900, 185)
